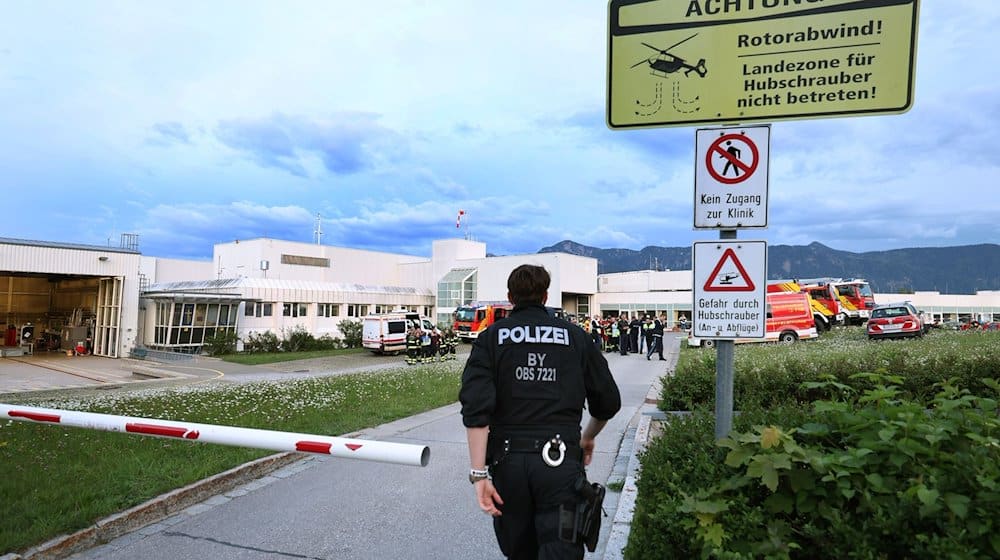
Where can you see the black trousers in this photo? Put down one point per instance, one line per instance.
(655, 346)
(532, 493)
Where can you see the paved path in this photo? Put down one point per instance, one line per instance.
(328, 508)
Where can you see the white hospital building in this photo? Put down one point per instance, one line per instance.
(121, 300)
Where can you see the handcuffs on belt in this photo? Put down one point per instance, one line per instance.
(554, 457)
(553, 451)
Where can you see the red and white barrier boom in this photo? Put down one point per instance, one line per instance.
(364, 449)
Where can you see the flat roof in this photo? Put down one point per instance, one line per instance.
(60, 245)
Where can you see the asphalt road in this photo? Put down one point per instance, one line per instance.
(329, 508)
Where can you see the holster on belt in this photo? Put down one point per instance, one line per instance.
(582, 523)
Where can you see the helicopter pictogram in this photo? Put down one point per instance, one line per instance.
(665, 63)
(727, 278)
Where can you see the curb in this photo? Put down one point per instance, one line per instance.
(621, 525)
(156, 509)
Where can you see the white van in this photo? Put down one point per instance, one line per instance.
(386, 333)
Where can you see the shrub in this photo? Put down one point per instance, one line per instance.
(867, 474)
(327, 342)
(220, 343)
(261, 343)
(768, 375)
(297, 339)
(352, 332)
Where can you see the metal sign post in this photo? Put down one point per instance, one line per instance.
(730, 279)
(725, 360)
(730, 284)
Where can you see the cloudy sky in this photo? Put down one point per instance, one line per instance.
(192, 123)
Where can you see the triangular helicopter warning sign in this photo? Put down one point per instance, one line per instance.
(731, 280)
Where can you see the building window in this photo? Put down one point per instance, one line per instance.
(184, 327)
(305, 261)
(328, 309)
(259, 309)
(583, 305)
(357, 310)
(294, 309)
(458, 287)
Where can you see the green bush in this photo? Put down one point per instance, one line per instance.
(768, 375)
(351, 330)
(221, 343)
(261, 343)
(866, 475)
(297, 339)
(327, 342)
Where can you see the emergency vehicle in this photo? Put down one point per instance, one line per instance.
(385, 333)
(856, 299)
(789, 318)
(472, 319)
(824, 299)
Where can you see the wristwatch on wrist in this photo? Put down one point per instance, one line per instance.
(475, 475)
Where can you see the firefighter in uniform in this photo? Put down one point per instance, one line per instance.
(412, 345)
(523, 391)
(425, 347)
(452, 344)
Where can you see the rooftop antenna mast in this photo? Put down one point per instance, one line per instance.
(318, 232)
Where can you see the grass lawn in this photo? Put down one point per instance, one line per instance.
(274, 357)
(57, 480)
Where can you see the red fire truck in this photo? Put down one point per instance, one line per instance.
(856, 299)
(472, 319)
(824, 299)
(789, 318)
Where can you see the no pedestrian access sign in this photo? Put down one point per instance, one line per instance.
(696, 62)
(730, 284)
(731, 177)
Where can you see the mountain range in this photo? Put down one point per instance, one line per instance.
(949, 270)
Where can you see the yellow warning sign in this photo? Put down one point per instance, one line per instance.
(694, 62)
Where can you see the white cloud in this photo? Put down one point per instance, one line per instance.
(198, 123)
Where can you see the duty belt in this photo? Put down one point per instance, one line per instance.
(553, 450)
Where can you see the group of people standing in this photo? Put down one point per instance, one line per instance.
(641, 333)
(425, 346)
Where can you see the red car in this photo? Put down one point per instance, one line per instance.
(897, 320)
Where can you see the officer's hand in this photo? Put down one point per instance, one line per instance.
(488, 497)
(587, 444)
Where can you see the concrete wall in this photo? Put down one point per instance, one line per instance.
(159, 270)
(647, 281)
(242, 259)
(570, 274)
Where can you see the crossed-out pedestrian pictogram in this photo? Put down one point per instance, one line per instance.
(727, 152)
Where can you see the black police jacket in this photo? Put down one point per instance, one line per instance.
(533, 372)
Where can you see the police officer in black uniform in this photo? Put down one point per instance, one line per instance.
(523, 392)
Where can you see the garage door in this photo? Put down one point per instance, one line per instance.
(107, 329)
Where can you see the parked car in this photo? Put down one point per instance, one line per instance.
(897, 320)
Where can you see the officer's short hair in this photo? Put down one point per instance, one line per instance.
(528, 283)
